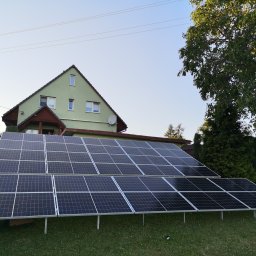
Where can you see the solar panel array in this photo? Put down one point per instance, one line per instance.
(48, 176)
(31, 153)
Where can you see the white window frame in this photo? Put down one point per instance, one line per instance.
(48, 99)
(92, 109)
(73, 104)
(72, 80)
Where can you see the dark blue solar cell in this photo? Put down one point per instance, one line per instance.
(226, 201)
(148, 152)
(127, 143)
(108, 142)
(110, 203)
(108, 169)
(73, 140)
(114, 150)
(173, 201)
(79, 157)
(122, 159)
(140, 159)
(131, 184)
(30, 145)
(6, 205)
(100, 183)
(180, 153)
(245, 184)
(157, 160)
(182, 184)
(8, 183)
(96, 149)
(201, 201)
(34, 205)
(156, 184)
(34, 183)
(144, 202)
(33, 137)
(128, 169)
(70, 183)
(141, 144)
(149, 169)
(12, 136)
(10, 154)
(84, 168)
(203, 184)
(175, 160)
(204, 171)
(54, 138)
(58, 156)
(91, 141)
(102, 158)
(155, 144)
(9, 166)
(59, 167)
(227, 184)
(188, 171)
(32, 155)
(10, 144)
(171, 146)
(166, 152)
(32, 167)
(75, 148)
(248, 198)
(169, 170)
(56, 147)
(133, 151)
(75, 204)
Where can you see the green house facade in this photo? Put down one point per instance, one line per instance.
(67, 102)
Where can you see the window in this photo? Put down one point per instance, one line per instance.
(48, 101)
(92, 107)
(72, 80)
(71, 104)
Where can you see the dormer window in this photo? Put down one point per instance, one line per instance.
(72, 80)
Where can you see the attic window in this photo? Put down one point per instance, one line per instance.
(72, 80)
(93, 107)
(48, 101)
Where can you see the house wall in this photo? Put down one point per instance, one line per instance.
(81, 93)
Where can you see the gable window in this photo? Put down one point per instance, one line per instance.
(72, 80)
(71, 104)
(92, 107)
(48, 101)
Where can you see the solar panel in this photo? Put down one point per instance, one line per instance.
(34, 205)
(31, 145)
(169, 170)
(54, 138)
(204, 184)
(245, 184)
(182, 184)
(33, 137)
(110, 203)
(114, 150)
(131, 184)
(32, 167)
(121, 159)
(57, 156)
(108, 169)
(100, 183)
(141, 159)
(96, 149)
(227, 184)
(56, 147)
(70, 183)
(128, 169)
(32, 155)
(188, 171)
(6, 205)
(84, 168)
(172, 201)
(12, 136)
(108, 142)
(34, 183)
(7, 166)
(156, 184)
(10, 154)
(8, 183)
(75, 204)
(149, 169)
(59, 167)
(91, 141)
(144, 202)
(79, 157)
(102, 158)
(72, 140)
(75, 148)
(10, 144)
(248, 198)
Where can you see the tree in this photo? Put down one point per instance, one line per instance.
(175, 132)
(220, 52)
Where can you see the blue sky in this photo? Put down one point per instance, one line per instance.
(134, 67)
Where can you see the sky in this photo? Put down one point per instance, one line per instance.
(129, 51)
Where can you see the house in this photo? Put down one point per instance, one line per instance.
(70, 105)
(69, 101)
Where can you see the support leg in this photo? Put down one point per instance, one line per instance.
(98, 222)
(143, 219)
(221, 215)
(45, 226)
(184, 217)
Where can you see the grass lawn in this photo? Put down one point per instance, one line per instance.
(203, 234)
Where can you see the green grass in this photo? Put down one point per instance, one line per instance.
(203, 234)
